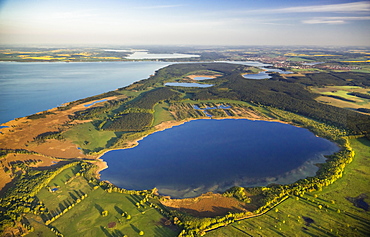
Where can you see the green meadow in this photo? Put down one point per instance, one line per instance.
(91, 211)
(88, 138)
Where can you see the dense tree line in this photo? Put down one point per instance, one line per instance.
(4, 152)
(48, 135)
(340, 98)
(130, 122)
(149, 99)
(39, 115)
(361, 95)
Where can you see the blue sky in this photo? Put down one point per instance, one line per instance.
(191, 22)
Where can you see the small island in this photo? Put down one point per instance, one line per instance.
(50, 161)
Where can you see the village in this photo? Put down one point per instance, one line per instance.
(283, 62)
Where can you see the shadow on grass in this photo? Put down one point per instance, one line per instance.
(118, 210)
(99, 208)
(135, 228)
(105, 231)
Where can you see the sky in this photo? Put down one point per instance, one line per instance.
(190, 22)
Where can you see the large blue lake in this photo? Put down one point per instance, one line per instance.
(28, 88)
(213, 155)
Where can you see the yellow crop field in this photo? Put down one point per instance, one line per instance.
(42, 58)
(325, 55)
(106, 57)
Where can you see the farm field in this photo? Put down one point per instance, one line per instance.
(124, 215)
(340, 96)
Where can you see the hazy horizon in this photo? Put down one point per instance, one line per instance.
(186, 23)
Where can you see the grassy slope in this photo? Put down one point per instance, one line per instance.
(87, 132)
(291, 218)
(85, 219)
(161, 113)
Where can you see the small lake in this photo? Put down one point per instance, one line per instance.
(265, 74)
(187, 84)
(214, 155)
(202, 78)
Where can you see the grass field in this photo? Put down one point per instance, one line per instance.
(161, 113)
(325, 213)
(85, 217)
(69, 187)
(88, 138)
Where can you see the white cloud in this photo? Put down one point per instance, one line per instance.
(334, 20)
(363, 6)
(159, 6)
(322, 21)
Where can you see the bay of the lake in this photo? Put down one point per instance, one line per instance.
(214, 155)
(30, 87)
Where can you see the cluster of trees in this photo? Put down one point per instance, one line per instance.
(48, 135)
(4, 152)
(108, 187)
(100, 111)
(130, 122)
(149, 99)
(364, 110)
(137, 115)
(39, 115)
(361, 95)
(340, 98)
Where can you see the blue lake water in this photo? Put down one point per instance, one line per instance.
(261, 75)
(202, 78)
(98, 101)
(28, 88)
(265, 74)
(213, 155)
(146, 55)
(187, 84)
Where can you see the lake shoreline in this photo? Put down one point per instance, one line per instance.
(168, 125)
